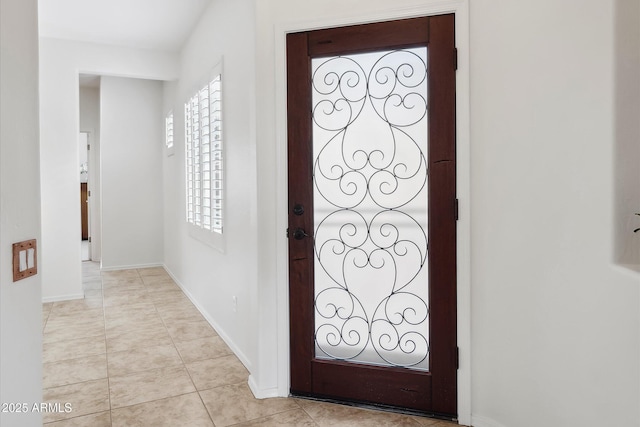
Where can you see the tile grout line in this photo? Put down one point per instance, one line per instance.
(309, 415)
(184, 364)
(106, 349)
(111, 408)
(46, 319)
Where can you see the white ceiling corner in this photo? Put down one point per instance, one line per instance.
(145, 24)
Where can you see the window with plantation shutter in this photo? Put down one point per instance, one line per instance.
(168, 132)
(204, 160)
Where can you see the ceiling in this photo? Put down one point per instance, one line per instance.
(146, 24)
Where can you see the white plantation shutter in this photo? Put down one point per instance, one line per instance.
(169, 130)
(203, 134)
(215, 121)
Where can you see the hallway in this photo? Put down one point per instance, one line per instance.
(136, 352)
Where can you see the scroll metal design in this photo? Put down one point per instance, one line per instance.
(370, 175)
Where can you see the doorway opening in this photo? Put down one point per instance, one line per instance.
(83, 159)
(89, 163)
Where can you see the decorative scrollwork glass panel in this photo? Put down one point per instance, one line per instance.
(370, 207)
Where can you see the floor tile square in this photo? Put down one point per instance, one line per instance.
(138, 338)
(187, 330)
(74, 348)
(167, 295)
(92, 284)
(74, 371)
(77, 307)
(93, 294)
(124, 290)
(217, 372)
(118, 324)
(234, 404)
(432, 422)
(328, 414)
(46, 308)
(142, 359)
(185, 410)
(157, 284)
(174, 311)
(115, 312)
(149, 385)
(202, 349)
(72, 328)
(174, 305)
(85, 398)
(120, 274)
(295, 418)
(152, 271)
(124, 299)
(102, 419)
(117, 283)
(152, 281)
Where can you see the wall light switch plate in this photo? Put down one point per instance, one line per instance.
(25, 259)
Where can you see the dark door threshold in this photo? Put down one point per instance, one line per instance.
(376, 407)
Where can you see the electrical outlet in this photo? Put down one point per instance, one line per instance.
(235, 303)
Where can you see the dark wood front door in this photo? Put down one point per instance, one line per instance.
(372, 214)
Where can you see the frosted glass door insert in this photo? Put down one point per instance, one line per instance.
(370, 208)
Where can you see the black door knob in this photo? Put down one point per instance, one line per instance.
(299, 234)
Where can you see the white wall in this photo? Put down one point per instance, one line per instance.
(627, 136)
(132, 141)
(209, 276)
(20, 302)
(90, 122)
(555, 326)
(60, 63)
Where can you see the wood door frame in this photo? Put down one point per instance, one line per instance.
(303, 23)
(434, 391)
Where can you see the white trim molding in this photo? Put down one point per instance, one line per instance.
(260, 393)
(131, 267)
(479, 421)
(63, 298)
(221, 333)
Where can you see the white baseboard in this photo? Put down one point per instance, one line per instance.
(221, 333)
(480, 421)
(132, 267)
(63, 297)
(259, 393)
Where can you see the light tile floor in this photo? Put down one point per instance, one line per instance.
(136, 352)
